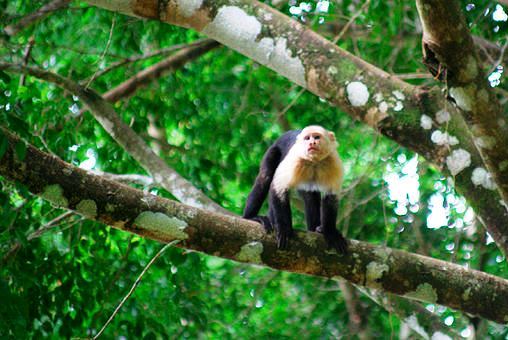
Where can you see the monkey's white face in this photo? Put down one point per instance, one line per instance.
(315, 143)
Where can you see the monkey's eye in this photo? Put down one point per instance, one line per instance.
(306, 137)
(317, 137)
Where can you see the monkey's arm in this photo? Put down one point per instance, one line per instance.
(333, 237)
(280, 216)
(261, 187)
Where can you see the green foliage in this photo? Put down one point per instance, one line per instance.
(218, 115)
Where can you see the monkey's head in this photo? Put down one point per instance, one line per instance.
(315, 143)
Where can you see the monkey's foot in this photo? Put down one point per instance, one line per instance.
(283, 237)
(334, 239)
(265, 222)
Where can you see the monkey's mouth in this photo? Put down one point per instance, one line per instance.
(312, 149)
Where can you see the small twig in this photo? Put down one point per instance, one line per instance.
(26, 57)
(134, 286)
(350, 22)
(50, 225)
(113, 21)
(414, 75)
(154, 72)
(143, 180)
(499, 60)
(293, 102)
(158, 53)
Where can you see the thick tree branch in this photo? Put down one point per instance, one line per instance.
(105, 114)
(41, 13)
(407, 114)
(132, 210)
(143, 78)
(449, 48)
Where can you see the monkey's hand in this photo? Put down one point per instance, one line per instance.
(334, 239)
(283, 236)
(265, 222)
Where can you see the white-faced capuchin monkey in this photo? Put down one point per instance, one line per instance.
(307, 161)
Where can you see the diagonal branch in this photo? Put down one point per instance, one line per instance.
(391, 270)
(143, 78)
(41, 13)
(449, 47)
(105, 114)
(164, 52)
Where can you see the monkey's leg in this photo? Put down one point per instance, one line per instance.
(333, 237)
(261, 186)
(312, 201)
(280, 214)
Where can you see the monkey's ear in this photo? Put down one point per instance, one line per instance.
(331, 135)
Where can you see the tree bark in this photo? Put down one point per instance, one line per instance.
(448, 46)
(122, 207)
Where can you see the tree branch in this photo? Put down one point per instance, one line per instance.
(105, 114)
(143, 78)
(132, 59)
(449, 49)
(41, 13)
(407, 114)
(413, 276)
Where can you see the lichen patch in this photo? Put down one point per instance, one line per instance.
(424, 292)
(374, 273)
(443, 116)
(462, 98)
(54, 194)
(87, 208)
(383, 107)
(458, 160)
(399, 95)
(443, 138)
(383, 253)
(466, 294)
(281, 59)
(398, 106)
(357, 93)
(481, 177)
(235, 28)
(188, 7)
(426, 122)
(470, 72)
(485, 142)
(251, 252)
(162, 224)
